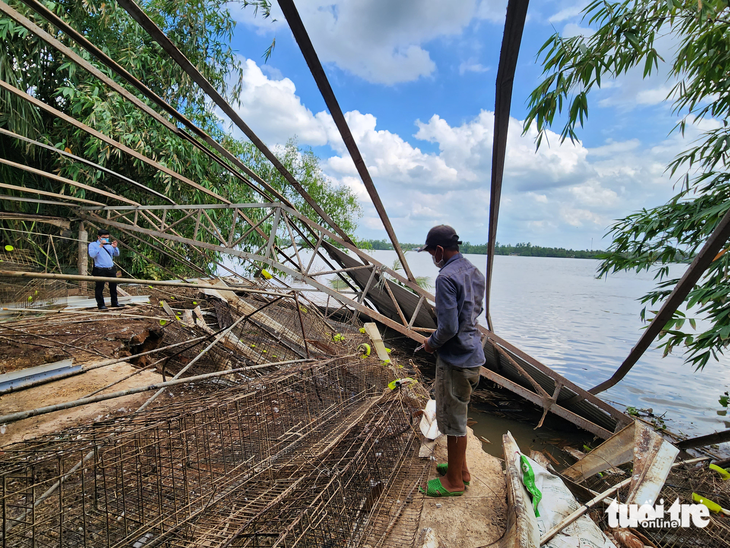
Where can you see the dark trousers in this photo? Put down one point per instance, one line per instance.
(99, 289)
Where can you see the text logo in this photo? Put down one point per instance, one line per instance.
(647, 516)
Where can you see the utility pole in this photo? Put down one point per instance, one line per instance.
(83, 259)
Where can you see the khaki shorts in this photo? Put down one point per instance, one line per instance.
(453, 389)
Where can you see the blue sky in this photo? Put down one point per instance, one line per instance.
(416, 81)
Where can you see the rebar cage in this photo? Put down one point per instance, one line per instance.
(306, 456)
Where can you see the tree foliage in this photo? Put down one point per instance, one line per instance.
(202, 30)
(625, 39)
(521, 249)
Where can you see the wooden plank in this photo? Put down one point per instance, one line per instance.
(522, 531)
(166, 307)
(615, 451)
(653, 458)
(372, 330)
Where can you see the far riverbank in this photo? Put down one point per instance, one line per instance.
(519, 250)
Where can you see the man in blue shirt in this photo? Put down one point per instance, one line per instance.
(103, 254)
(460, 291)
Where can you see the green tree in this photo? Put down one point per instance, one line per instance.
(625, 38)
(338, 201)
(202, 29)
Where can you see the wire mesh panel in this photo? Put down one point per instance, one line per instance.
(299, 456)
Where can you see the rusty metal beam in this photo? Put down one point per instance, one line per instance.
(537, 400)
(167, 283)
(41, 193)
(702, 441)
(581, 393)
(310, 55)
(56, 221)
(274, 264)
(103, 58)
(691, 276)
(512, 38)
(172, 50)
(86, 162)
(404, 329)
(62, 180)
(108, 140)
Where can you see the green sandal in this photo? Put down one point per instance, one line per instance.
(443, 468)
(435, 489)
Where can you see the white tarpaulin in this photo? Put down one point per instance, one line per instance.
(429, 428)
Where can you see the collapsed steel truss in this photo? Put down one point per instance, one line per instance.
(282, 232)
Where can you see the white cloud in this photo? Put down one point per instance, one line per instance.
(592, 194)
(492, 10)
(274, 111)
(579, 218)
(632, 90)
(271, 72)
(471, 66)
(572, 29)
(653, 96)
(379, 40)
(568, 13)
(561, 191)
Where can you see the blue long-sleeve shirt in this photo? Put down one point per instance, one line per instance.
(102, 259)
(460, 291)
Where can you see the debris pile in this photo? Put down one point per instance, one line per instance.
(301, 443)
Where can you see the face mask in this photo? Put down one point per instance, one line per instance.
(439, 264)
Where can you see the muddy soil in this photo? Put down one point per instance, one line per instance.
(479, 516)
(85, 339)
(71, 389)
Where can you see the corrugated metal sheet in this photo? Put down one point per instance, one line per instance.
(407, 300)
(426, 318)
(583, 408)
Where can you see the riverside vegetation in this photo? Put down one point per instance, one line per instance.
(524, 250)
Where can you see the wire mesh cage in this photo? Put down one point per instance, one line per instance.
(310, 455)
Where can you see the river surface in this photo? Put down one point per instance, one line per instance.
(559, 313)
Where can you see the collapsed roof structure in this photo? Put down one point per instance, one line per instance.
(382, 294)
(287, 439)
